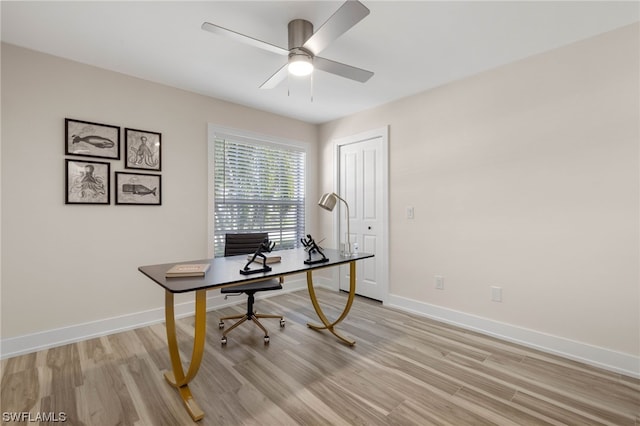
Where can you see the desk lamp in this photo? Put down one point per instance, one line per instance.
(328, 202)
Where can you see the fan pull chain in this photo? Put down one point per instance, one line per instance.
(311, 87)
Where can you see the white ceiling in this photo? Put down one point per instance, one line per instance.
(411, 46)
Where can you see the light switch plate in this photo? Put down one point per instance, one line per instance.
(410, 212)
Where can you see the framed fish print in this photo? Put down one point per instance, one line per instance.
(91, 139)
(138, 188)
(143, 149)
(87, 182)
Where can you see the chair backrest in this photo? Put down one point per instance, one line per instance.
(235, 244)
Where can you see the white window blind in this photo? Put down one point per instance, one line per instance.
(258, 188)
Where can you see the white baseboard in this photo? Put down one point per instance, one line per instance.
(600, 357)
(29, 343)
(618, 362)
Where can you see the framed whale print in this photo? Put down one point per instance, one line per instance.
(143, 149)
(87, 182)
(91, 139)
(138, 188)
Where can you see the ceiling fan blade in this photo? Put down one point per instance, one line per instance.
(349, 14)
(276, 78)
(216, 29)
(343, 70)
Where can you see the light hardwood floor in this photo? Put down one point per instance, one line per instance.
(404, 370)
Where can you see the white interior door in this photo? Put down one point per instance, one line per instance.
(362, 182)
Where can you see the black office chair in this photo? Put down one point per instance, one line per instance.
(236, 244)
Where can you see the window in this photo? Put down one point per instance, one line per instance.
(258, 187)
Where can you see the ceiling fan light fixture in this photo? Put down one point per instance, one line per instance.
(300, 64)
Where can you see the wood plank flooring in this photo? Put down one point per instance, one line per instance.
(404, 370)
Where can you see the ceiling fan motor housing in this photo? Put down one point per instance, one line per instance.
(299, 32)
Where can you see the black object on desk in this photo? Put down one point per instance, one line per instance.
(311, 247)
(266, 246)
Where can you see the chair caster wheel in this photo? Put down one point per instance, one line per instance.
(281, 323)
(266, 339)
(223, 340)
(220, 324)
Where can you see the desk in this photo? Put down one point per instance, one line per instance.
(225, 272)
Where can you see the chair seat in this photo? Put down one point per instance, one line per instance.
(266, 285)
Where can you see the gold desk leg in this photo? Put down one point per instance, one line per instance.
(177, 378)
(330, 325)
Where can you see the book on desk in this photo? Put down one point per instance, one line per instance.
(270, 259)
(187, 270)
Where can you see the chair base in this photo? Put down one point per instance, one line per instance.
(242, 318)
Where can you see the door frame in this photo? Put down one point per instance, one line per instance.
(383, 133)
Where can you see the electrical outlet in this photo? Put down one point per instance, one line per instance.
(496, 294)
(439, 279)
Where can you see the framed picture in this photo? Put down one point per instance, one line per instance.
(143, 149)
(138, 188)
(91, 139)
(87, 182)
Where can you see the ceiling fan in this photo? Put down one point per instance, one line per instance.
(304, 45)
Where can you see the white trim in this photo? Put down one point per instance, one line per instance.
(216, 131)
(383, 133)
(600, 357)
(20, 345)
(608, 359)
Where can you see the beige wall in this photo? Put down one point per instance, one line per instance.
(524, 177)
(64, 265)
